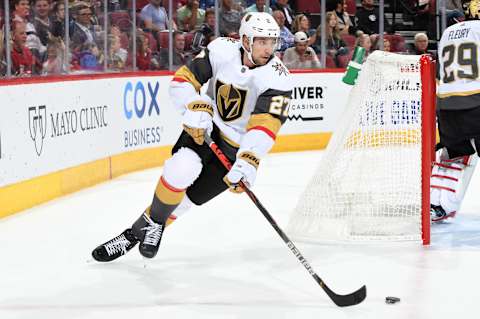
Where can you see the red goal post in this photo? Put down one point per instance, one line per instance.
(427, 73)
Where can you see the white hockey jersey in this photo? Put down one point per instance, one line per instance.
(243, 98)
(458, 59)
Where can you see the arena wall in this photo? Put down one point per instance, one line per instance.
(60, 135)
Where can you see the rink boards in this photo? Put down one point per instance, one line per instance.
(59, 135)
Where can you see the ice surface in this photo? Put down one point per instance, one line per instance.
(223, 260)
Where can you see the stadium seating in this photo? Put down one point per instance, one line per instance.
(162, 38)
(349, 40)
(397, 42)
(344, 59)
(152, 42)
(308, 6)
(121, 19)
(329, 61)
(351, 7)
(139, 4)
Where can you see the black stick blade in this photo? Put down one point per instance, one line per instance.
(347, 300)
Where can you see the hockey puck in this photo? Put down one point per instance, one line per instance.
(392, 300)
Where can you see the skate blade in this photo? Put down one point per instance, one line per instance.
(439, 219)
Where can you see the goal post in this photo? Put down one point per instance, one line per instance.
(373, 180)
(427, 77)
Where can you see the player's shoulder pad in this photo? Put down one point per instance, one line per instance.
(223, 48)
(275, 75)
(449, 28)
(474, 24)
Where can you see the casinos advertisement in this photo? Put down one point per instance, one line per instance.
(317, 101)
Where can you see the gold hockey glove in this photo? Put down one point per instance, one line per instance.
(197, 120)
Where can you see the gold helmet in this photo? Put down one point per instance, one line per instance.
(471, 9)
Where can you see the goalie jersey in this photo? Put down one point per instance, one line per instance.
(243, 98)
(458, 59)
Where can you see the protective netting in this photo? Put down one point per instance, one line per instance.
(367, 185)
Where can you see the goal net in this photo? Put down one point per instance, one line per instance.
(372, 182)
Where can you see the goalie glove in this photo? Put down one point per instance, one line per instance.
(244, 169)
(197, 120)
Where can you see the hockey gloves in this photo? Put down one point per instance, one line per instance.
(197, 119)
(244, 169)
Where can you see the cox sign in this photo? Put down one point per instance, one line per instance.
(136, 98)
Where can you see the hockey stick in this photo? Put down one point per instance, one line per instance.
(340, 300)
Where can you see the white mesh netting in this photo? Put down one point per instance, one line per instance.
(368, 182)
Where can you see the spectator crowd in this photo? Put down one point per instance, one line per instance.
(101, 35)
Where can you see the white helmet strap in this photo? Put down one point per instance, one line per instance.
(250, 52)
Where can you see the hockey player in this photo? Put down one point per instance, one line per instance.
(245, 105)
(458, 96)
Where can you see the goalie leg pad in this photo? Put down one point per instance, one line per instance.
(450, 180)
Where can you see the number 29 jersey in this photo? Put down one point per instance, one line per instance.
(458, 54)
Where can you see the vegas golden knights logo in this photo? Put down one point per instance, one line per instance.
(230, 101)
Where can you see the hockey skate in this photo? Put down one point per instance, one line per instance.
(115, 247)
(150, 234)
(437, 213)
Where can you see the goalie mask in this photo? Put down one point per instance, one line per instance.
(258, 24)
(471, 9)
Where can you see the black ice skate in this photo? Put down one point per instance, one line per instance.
(437, 213)
(115, 247)
(151, 232)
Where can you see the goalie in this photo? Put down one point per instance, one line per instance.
(245, 105)
(458, 113)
